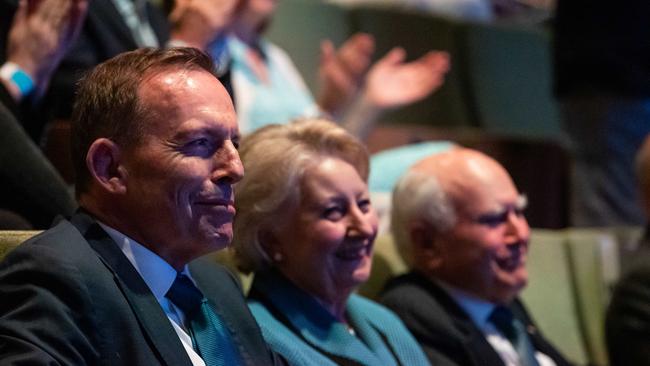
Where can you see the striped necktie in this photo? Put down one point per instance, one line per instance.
(515, 332)
(210, 337)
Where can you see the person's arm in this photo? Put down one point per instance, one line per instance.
(393, 83)
(341, 72)
(40, 34)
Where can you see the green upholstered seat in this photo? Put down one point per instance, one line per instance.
(509, 72)
(550, 295)
(386, 263)
(9, 239)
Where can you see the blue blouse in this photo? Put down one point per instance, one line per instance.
(296, 326)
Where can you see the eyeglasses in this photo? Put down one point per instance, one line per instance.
(494, 219)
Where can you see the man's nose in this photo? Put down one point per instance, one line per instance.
(228, 165)
(518, 228)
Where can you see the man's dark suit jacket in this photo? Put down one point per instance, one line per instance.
(70, 297)
(627, 326)
(446, 333)
(29, 185)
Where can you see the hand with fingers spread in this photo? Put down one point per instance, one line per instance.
(41, 34)
(342, 71)
(199, 22)
(393, 83)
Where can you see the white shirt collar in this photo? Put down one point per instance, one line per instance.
(155, 271)
(477, 309)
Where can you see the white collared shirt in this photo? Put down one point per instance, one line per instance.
(159, 276)
(479, 311)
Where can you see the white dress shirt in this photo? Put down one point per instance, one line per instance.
(479, 311)
(159, 276)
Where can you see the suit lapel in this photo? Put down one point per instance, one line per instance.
(537, 339)
(227, 301)
(474, 342)
(142, 301)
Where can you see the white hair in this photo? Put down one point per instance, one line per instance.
(418, 196)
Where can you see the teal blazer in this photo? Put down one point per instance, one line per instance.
(295, 325)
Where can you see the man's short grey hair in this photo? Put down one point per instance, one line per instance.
(419, 197)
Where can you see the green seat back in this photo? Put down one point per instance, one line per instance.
(550, 296)
(418, 33)
(299, 26)
(509, 70)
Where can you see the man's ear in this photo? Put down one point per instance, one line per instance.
(426, 246)
(105, 166)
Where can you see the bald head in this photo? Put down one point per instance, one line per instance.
(463, 174)
(457, 216)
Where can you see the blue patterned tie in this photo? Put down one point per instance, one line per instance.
(515, 331)
(209, 336)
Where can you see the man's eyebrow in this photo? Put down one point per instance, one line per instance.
(522, 201)
(219, 131)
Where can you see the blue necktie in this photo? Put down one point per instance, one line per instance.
(515, 331)
(209, 336)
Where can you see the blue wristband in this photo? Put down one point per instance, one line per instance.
(15, 75)
(23, 81)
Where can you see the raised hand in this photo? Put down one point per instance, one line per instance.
(41, 34)
(342, 71)
(392, 83)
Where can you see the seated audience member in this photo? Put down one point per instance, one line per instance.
(155, 147)
(642, 167)
(268, 88)
(38, 39)
(628, 316)
(458, 221)
(305, 226)
(116, 26)
(627, 325)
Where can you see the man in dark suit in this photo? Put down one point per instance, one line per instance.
(458, 222)
(155, 149)
(627, 325)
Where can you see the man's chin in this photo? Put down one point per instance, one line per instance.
(217, 238)
(510, 290)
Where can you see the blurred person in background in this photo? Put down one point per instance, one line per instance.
(602, 81)
(38, 38)
(268, 88)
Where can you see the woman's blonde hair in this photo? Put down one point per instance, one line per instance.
(275, 159)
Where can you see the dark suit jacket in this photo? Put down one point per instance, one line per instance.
(29, 185)
(446, 333)
(627, 326)
(70, 297)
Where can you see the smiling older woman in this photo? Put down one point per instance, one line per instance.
(305, 226)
